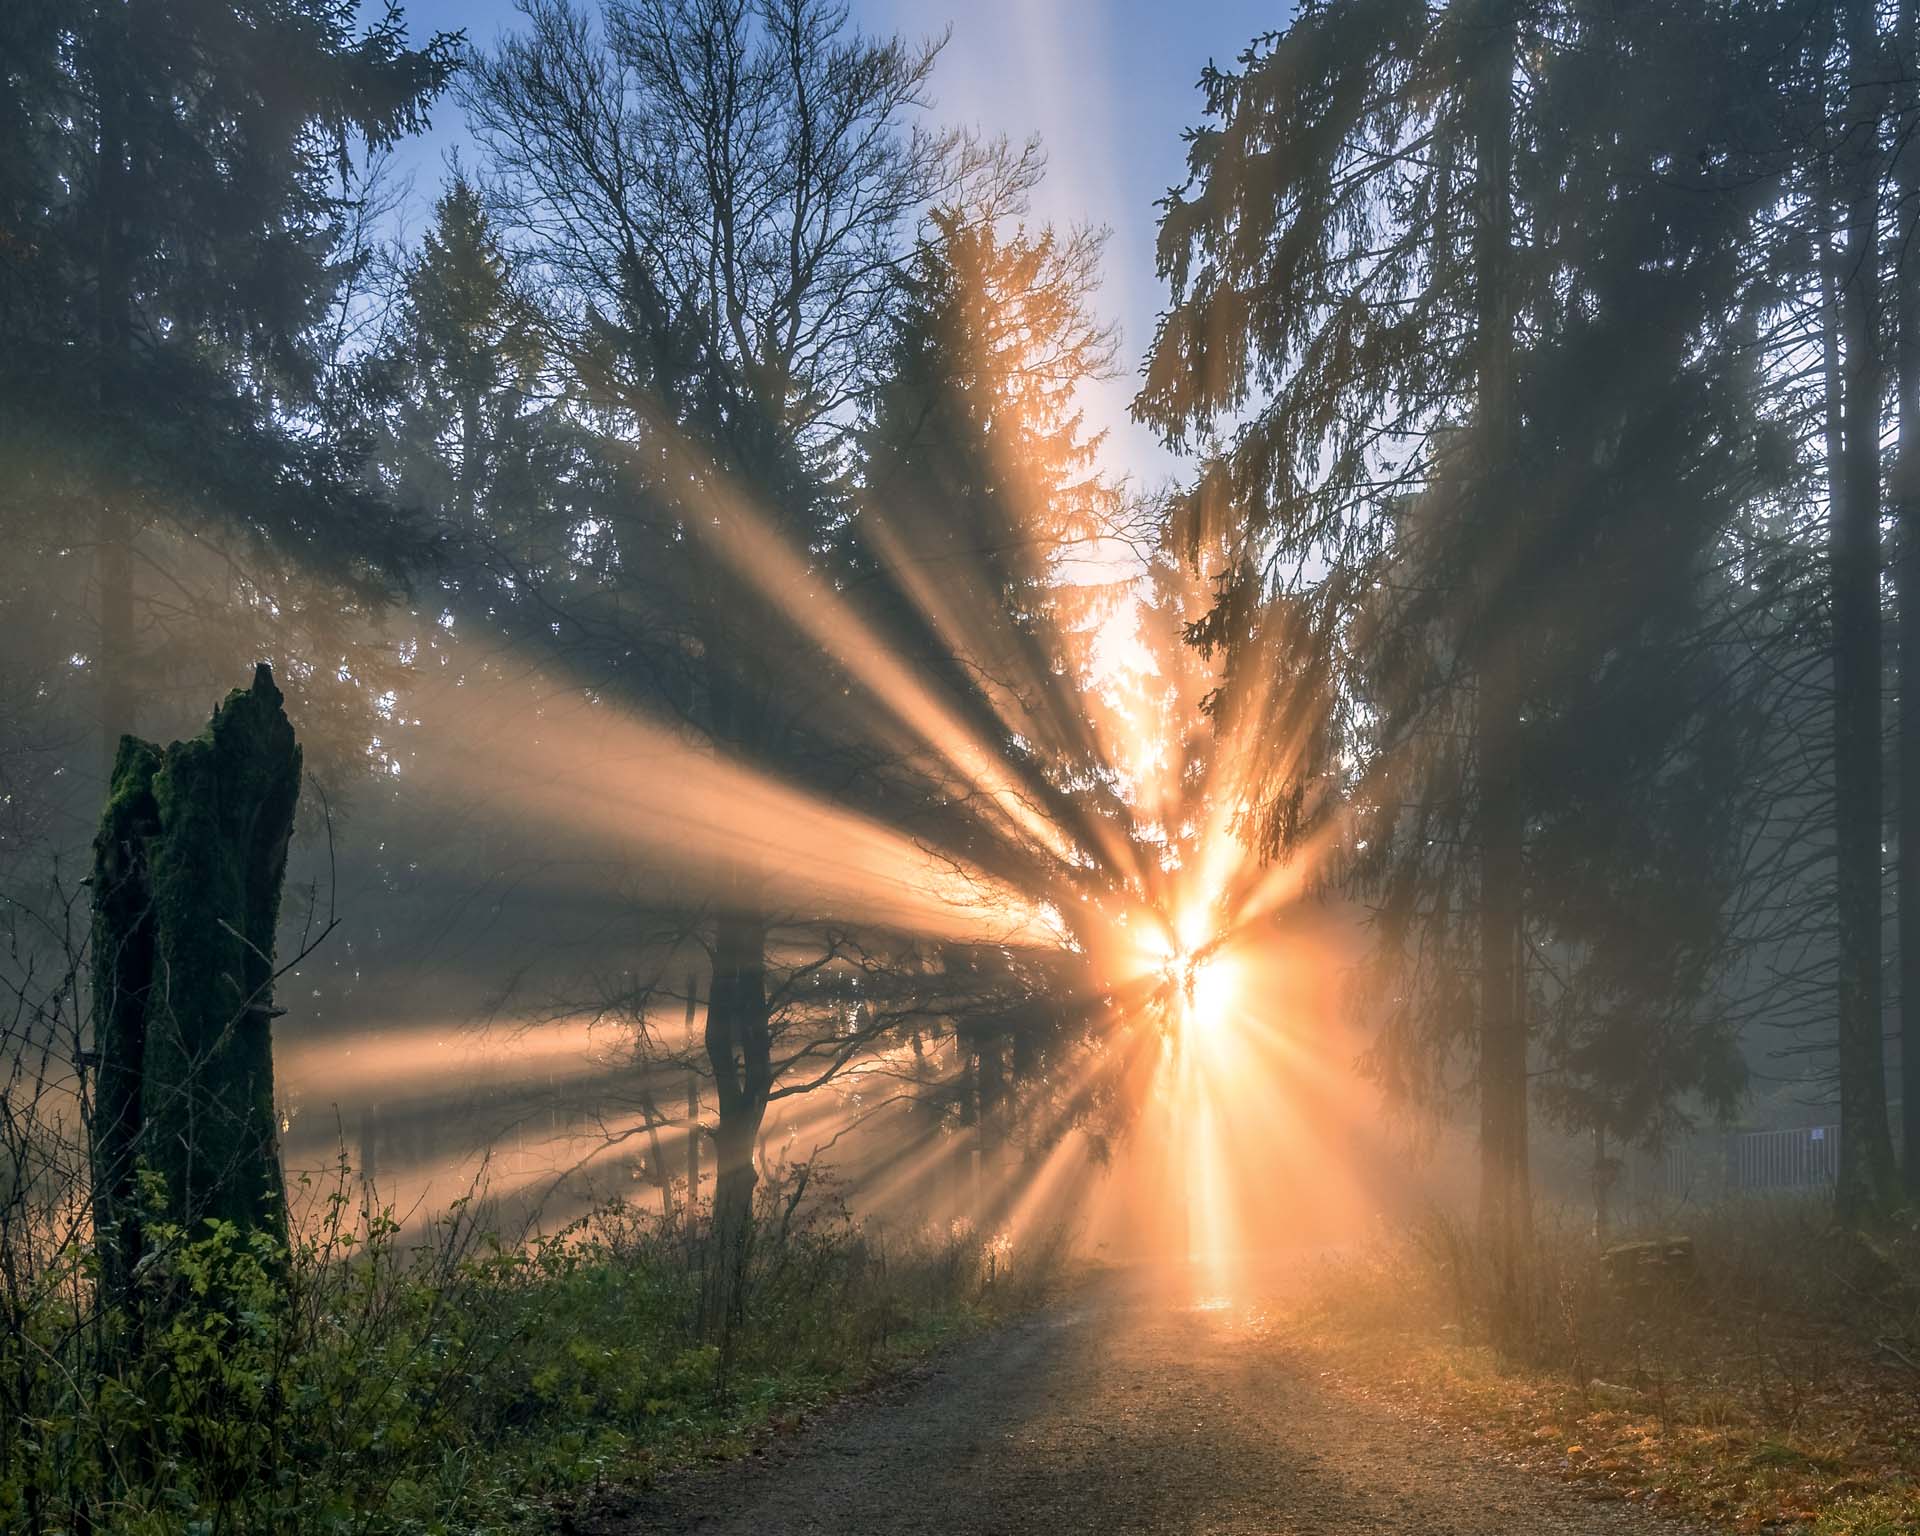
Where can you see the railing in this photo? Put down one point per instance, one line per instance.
(1796, 1159)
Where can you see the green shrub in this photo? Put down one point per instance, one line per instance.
(363, 1383)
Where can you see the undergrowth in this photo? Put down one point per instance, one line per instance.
(453, 1382)
(1774, 1382)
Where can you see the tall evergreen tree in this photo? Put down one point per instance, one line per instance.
(1482, 340)
(1905, 500)
(168, 243)
(1856, 389)
(980, 504)
(978, 492)
(466, 366)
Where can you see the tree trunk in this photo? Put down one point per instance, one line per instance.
(739, 1050)
(693, 1104)
(1906, 512)
(122, 960)
(657, 1161)
(987, 1089)
(1605, 1171)
(1867, 1179)
(1505, 1199)
(738, 1045)
(189, 863)
(116, 699)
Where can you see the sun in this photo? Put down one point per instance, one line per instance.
(1200, 983)
(1210, 989)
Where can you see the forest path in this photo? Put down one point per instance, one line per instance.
(1115, 1412)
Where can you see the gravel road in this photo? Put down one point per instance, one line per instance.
(1114, 1413)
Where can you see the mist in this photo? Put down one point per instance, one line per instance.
(766, 805)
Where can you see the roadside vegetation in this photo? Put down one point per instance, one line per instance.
(451, 1380)
(1772, 1382)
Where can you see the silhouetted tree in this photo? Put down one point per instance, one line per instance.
(171, 224)
(978, 493)
(1480, 339)
(473, 441)
(719, 284)
(1856, 394)
(1905, 501)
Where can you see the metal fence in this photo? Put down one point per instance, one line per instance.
(1798, 1159)
(1679, 1174)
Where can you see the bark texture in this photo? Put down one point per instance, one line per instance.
(122, 958)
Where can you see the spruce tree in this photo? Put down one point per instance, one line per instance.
(172, 208)
(1480, 336)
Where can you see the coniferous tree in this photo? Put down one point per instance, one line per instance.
(172, 223)
(1442, 298)
(981, 505)
(471, 442)
(978, 492)
(1905, 503)
(1856, 391)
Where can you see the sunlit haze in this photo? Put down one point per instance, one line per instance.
(871, 767)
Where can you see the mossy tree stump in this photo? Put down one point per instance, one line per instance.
(188, 867)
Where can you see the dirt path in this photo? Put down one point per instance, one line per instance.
(1116, 1413)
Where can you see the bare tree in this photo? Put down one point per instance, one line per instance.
(712, 198)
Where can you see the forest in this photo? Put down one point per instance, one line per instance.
(734, 797)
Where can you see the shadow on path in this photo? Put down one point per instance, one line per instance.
(1118, 1412)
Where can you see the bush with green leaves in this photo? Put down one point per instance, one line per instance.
(375, 1381)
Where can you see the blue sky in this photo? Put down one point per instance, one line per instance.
(1107, 84)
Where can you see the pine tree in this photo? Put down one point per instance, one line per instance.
(1905, 500)
(1856, 402)
(981, 504)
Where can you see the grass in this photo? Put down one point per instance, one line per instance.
(457, 1383)
(1772, 1389)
